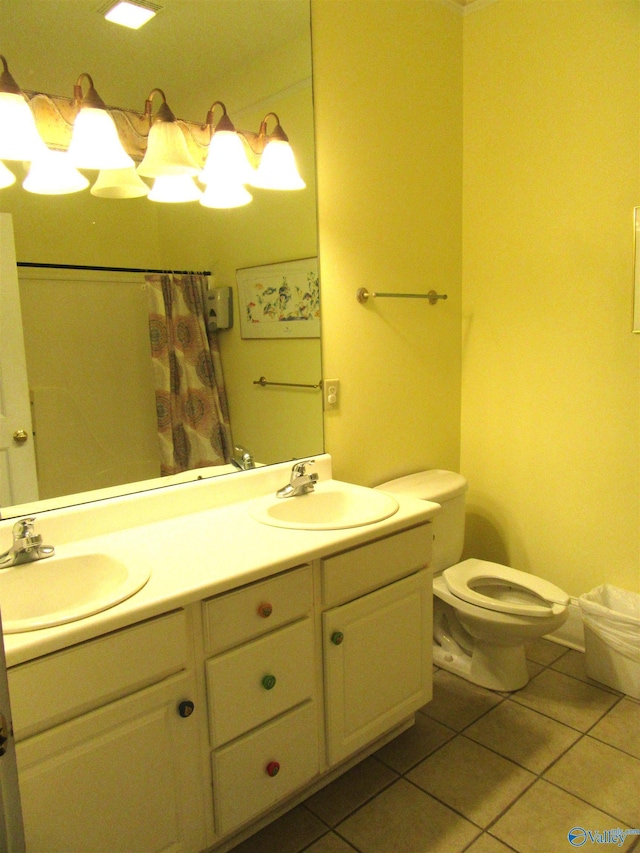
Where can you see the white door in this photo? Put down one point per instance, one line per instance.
(18, 480)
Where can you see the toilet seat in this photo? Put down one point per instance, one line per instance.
(516, 592)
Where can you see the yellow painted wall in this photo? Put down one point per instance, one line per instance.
(388, 108)
(550, 379)
(550, 372)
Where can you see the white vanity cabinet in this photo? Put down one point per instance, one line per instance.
(108, 751)
(264, 726)
(377, 645)
(294, 677)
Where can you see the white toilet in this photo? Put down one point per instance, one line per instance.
(483, 612)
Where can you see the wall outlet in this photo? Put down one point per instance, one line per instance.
(330, 394)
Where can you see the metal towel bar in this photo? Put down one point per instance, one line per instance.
(263, 381)
(362, 294)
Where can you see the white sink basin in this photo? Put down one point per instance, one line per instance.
(63, 589)
(331, 506)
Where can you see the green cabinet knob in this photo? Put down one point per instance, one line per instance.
(337, 637)
(269, 682)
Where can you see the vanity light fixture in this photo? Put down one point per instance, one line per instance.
(66, 134)
(95, 143)
(227, 168)
(19, 137)
(277, 169)
(167, 154)
(52, 173)
(130, 13)
(6, 176)
(227, 156)
(174, 189)
(119, 183)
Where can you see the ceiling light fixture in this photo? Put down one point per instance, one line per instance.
(129, 13)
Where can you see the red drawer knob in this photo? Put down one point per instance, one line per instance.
(265, 610)
(273, 768)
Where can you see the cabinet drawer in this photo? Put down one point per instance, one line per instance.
(371, 566)
(241, 771)
(48, 690)
(255, 609)
(255, 682)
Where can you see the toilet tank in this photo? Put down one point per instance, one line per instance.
(447, 489)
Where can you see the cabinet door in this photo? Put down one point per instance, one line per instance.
(377, 660)
(124, 778)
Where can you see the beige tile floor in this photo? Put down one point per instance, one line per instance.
(486, 772)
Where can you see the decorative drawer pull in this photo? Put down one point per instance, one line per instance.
(269, 682)
(337, 637)
(265, 610)
(186, 708)
(273, 768)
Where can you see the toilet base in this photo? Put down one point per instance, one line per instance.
(494, 667)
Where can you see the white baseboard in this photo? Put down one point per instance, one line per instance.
(571, 634)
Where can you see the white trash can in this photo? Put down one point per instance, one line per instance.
(611, 619)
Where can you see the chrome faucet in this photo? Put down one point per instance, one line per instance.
(300, 483)
(242, 459)
(27, 545)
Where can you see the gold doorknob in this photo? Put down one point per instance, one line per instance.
(20, 436)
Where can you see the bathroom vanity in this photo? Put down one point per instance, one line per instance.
(256, 664)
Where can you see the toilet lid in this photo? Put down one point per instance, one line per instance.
(501, 588)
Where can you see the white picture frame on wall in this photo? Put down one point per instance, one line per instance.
(280, 300)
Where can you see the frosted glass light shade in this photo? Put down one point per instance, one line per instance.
(52, 173)
(95, 143)
(19, 137)
(226, 159)
(167, 154)
(119, 183)
(277, 169)
(174, 189)
(225, 194)
(6, 176)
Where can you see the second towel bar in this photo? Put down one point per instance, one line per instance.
(263, 381)
(362, 294)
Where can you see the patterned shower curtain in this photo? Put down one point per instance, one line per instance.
(191, 402)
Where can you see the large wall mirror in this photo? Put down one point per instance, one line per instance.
(255, 56)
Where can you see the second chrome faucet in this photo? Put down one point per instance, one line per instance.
(300, 483)
(27, 545)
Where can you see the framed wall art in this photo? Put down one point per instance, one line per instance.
(280, 300)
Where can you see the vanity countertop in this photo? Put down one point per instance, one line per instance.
(198, 540)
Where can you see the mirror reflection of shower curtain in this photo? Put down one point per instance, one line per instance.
(191, 402)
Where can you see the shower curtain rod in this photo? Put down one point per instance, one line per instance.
(110, 269)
